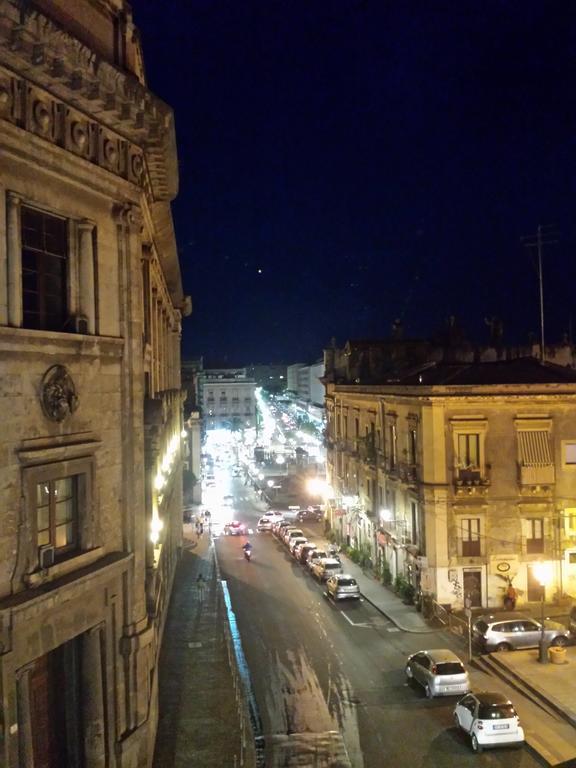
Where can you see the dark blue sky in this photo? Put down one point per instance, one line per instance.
(347, 162)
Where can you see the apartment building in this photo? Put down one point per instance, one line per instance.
(227, 397)
(91, 304)
(459, 476)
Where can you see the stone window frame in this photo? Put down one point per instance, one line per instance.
(51, 463)
(81, 294)
(469, 426)
(468, 513)
(568, 467)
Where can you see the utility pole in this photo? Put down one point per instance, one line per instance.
(544, 235)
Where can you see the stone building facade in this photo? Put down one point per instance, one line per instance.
(227, 398)
(90, 319)
(457, 477)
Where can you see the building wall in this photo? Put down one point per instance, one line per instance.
(292, 376)
(227, 399)
(91, 399)
(447, 528)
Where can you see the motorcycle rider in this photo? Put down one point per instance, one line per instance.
(247, 550)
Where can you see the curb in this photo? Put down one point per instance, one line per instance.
(396, 623)
(505, 670)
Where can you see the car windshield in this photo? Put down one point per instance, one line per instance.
(318, 554)
(347, 582)
(332, 566)
(496, 711)
(449, 668)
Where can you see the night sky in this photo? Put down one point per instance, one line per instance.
(344, 163)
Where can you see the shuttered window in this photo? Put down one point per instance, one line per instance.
(535, 448)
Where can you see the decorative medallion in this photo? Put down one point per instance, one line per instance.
(5, 98)
(79, 135)
(42, 116)
(58, 396)
(110, 152)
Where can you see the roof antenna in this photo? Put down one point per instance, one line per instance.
(544, 235)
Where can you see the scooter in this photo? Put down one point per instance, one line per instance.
(248, 554)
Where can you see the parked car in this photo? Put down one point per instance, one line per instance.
(297, 549)
(281, 526)
(264, 524)
(295, 542)
(489, 719)
(325, 567)
(509, 631)
(315, 556)
(572, 622)
(440, 672)
(312, 514)
(305, 551)
(342, 586)
(292, 533)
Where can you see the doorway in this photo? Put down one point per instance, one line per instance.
(472, 578)
(535, 589)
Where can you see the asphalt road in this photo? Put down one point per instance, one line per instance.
(329, 679)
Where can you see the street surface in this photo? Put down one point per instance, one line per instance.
(332, 674)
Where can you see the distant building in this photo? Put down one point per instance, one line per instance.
(90, 320)
(455, 477)
(305, 381)
(271, 377)
(227, 398)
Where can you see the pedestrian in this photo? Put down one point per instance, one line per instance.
(201, 527)
(200, 585)
(510, 597)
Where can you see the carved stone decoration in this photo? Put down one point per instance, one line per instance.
(136, 168)
(79, 135)
(5, 98)
(42, 117)
(58, 396)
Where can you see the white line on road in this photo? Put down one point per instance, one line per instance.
(367, 626)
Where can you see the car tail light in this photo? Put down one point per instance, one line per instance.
(434, 669)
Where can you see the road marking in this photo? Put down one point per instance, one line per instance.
(367, 626)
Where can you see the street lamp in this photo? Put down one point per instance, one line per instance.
(543, 573)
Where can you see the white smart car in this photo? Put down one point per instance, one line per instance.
(490, 720)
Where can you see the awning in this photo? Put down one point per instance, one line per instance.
(535, 448)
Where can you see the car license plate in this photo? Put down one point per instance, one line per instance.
(501, 727)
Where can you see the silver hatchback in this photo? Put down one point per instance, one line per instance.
(508, 631)
(342, 586)
(440, 672)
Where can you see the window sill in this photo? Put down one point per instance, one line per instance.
(64, 567)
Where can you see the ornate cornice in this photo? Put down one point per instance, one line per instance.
(56, 87)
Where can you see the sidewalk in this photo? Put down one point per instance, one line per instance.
(405, 617)
(199, 721)
(544, 694)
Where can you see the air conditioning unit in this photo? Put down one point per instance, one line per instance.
(46, 556)
(80, 324)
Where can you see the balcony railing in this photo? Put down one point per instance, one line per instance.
(536, 475)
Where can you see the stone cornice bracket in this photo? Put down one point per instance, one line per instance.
(35, 48)
(130, 216)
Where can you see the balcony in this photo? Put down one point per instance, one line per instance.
(471, 481)
(536, 475)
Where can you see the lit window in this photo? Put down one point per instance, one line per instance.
(57, 513)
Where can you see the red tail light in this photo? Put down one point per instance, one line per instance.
(434, 669)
